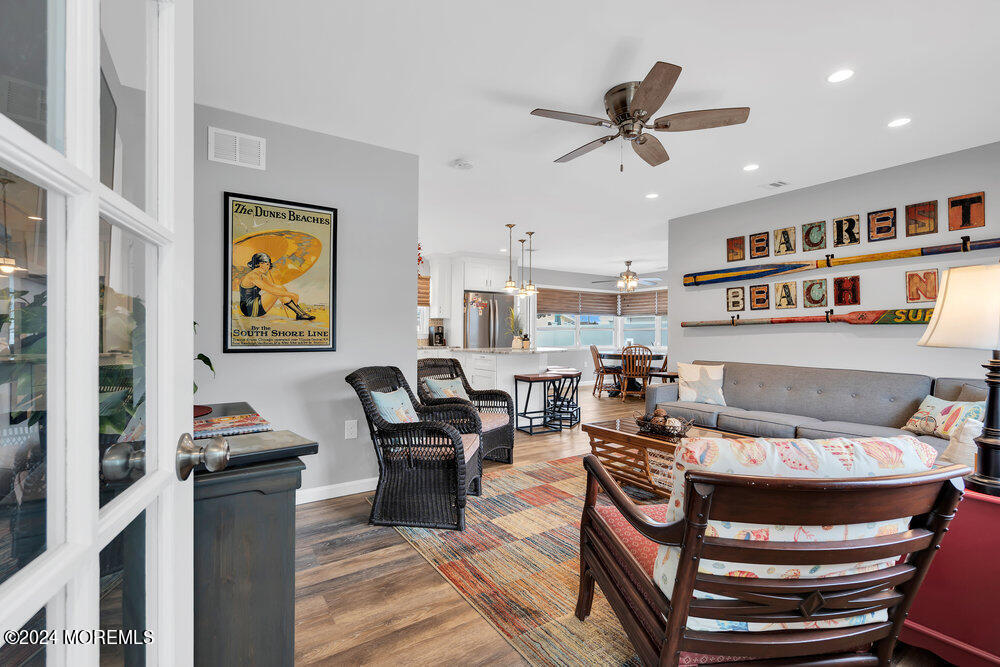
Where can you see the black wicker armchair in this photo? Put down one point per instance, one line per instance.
(495, 407)
(426, 468)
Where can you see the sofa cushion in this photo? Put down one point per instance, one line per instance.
(641, 548)
(493, 420)
(951, 388)
(470, 445)
(820, 430)
(836, 458)
(763, 424)
(870, 397)
(700, 414)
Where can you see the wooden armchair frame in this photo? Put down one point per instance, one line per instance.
(657, 626)
(424, 478)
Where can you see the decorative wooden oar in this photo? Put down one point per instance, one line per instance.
(896, 316)
(767, 270)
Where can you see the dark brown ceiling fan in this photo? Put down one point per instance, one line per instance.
(630, 107)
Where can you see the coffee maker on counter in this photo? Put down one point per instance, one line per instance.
(436, 335)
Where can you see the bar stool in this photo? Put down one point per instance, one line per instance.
(539, 421)
(564, 400)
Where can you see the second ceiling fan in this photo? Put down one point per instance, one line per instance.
(630, 107)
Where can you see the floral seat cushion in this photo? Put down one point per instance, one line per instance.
(762, 457)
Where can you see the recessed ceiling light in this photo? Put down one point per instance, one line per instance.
(840, 75)
(899, 122)
(35, 217)
(751, 167)
(503, 249)
(652, 195)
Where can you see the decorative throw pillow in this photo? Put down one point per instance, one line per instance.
(971, 393)
(939, 417)
(446, 388)
(764, 457)
(700, 384)
(395, 406)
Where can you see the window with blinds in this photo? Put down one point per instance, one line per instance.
(650, 302)
(570, 301)
(423, 290)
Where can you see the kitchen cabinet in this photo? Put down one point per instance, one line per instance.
(440, 272)
(485, 275)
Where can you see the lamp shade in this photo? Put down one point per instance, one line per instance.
(967, 311)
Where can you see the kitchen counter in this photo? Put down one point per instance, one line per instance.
(497, 350)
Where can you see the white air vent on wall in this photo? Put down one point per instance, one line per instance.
(242, 150)
(775, 185)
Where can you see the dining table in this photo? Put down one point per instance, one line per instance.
(634, 383)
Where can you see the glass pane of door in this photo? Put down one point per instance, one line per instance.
(23, 289)
(123, 130)
(121, 376)
(123, 596)
(32, 66)
(29, 648)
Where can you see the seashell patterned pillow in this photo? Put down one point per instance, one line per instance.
(767, 457)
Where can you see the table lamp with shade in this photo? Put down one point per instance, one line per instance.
(967, 315)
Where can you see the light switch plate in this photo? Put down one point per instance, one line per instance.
(350, 429)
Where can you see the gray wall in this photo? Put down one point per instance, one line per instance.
(375, 193)
(697, 243)
(571, 280)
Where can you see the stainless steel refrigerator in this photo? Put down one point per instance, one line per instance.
(486, 315)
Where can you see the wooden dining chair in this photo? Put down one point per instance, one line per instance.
(601, 373)
(662, 372)
(635, 366)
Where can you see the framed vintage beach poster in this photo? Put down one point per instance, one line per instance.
(280, 267)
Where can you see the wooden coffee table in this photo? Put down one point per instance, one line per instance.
(639, 459)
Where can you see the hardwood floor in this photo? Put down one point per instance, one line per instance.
(365, 596)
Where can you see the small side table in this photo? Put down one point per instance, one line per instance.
(244, 549)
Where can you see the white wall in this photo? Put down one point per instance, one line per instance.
(375, 193)
(698, 243)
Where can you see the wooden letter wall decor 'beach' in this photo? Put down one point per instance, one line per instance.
(847, 291)
(921, 285)
(736, 249)
(760, 297)
(784, 295)
(846, 231)
(814, 235)
(759, 245)
(735, 300)
(814, 293)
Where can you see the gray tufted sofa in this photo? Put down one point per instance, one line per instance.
(800, 402)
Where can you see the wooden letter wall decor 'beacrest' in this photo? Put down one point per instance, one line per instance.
(814, 235)
(784, 241)
(882, 225)
(967, 211)
(759, 245)
(736, 249)
(921, 218)
(846, 231)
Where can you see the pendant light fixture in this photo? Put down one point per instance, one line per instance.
(530, 287)
(8, 264)
(510, 286)
(522, 290)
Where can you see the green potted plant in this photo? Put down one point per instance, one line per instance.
(515, 327)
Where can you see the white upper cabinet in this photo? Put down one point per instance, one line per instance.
(440, 272)
(485, 274)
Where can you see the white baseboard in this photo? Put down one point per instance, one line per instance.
(303, 496)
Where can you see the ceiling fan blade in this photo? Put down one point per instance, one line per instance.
(650, 281)
(655, 87)
(702, 120)
(586, 148)
(571, 117)
(650, 149)
(612, 280)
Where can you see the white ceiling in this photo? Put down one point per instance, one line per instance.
(456, 78)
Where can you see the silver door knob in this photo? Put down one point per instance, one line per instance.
(120, 459)
(215, 455)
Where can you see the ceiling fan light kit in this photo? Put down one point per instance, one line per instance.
(630, 107)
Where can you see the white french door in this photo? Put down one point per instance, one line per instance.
(95, 331)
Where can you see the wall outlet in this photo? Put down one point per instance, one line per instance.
(350, 429)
